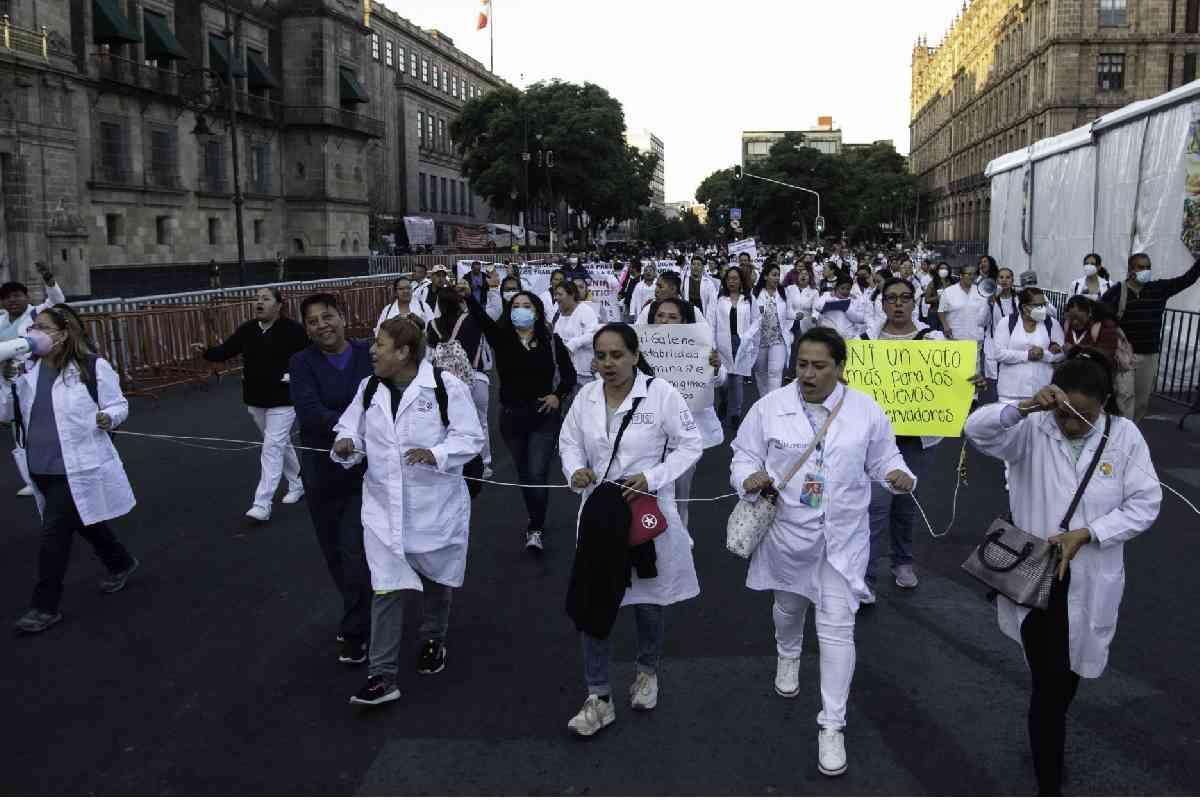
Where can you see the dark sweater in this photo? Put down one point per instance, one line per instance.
(525, 373)
(264, 357)
(321, 392)
(1144, 310)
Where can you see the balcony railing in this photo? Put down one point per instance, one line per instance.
(134, 73)
(332, 117)
(24, 40)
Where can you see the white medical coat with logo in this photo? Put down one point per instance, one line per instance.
(859, 448)
(662, 419)
(1121, 501)
(415, 519)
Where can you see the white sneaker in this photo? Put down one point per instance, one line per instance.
(294, 496)
(487, 471)
(831, 752)
(533, 541)
(787, 676)
(906, 578)
(643, 694)
(593, 717)
(25, 491)
(869, 600)
(259, 513)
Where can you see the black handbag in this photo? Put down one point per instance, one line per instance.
(1017, 564)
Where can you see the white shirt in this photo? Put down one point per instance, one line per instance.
(1080, 287)
(576, 331)
(965, 311)
(11, 329)
(642, 294)
(1121, 501)
(393, 310)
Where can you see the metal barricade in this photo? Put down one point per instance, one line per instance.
(1178, 363)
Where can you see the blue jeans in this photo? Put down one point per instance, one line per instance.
(896, 513)
(651, 628)
(734, 387)
(532, 439)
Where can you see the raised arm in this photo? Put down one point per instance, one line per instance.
(230, 348)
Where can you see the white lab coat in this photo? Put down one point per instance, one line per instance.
(662, 419)
(549, 303)
(392, 310)
(717, 316)
(1080, 287)
(415, 519)
(834, 318)
(1121, 501)
(709, 289)
(642, 294)
(95, 474)
(801, 303)
(1019, 377)
(999, 308)
(783, 312)
(420, 292)
(860, 447)
(576, 331)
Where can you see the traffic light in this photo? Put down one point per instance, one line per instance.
(553, 219)
(737, 173)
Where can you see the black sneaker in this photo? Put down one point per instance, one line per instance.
(35, 621)
(351, 651)
(433, 657)
(116, 581)
(377, 691)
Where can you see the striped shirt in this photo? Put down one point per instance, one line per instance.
(1143, 318)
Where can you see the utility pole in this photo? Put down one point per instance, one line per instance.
(231, 53)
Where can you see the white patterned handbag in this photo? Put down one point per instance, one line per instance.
(749, 522)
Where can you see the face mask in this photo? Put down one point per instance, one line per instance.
(508, 295)
(1089, 270)
(943, 273)
(1143, 276)
(1037, 313)
(522, 318)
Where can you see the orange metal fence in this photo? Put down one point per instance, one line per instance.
(159, 346)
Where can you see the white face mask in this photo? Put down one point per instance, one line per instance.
(1089, 270)
(943, 273)
(508, 295)
(1143, 276)
(1037, 313)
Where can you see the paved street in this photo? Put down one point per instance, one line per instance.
(215, 671)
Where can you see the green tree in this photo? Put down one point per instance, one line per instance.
(594, 170)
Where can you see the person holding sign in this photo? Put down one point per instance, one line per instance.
(676, 311)
(831, 310)
(774, 331)
(1027, 346)
(735, 331)
(815, 552)
(897, 513)
(1048, 455)
(636, 430)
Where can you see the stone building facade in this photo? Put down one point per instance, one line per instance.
(115, 140)
(1010, 72)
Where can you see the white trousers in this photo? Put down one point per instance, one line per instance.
(768, 369)
(479, 393)
(835, 635)
(278, 455)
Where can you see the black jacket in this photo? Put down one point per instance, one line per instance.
(603, 562)
(265, 358)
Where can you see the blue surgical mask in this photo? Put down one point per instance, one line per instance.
(1143, 275)
(522, 318)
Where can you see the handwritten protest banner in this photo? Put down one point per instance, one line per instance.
(744, 246)
(679, 355)
(922, 385)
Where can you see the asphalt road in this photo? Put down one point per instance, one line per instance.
(214, 672)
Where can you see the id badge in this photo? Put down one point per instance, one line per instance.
(812, 491)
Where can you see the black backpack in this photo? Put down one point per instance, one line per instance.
(474, 467)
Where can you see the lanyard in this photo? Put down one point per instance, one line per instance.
(820, 451)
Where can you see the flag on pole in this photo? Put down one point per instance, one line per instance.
(484, 14)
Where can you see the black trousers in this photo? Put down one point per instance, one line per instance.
(334, 497)
(1044, 634)
(60, 523)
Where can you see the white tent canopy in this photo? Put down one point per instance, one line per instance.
(1113, 187)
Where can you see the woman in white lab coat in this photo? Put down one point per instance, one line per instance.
(1027, 347)
(65, 453)
(801, 296)
(660, 443)
(735, 331)
(832, 308)
(774, 330)
(1048, 455)
(815, 552)
(1001, 306)
(416, 511)
(575, 322)
(677, 311)
(549, 303)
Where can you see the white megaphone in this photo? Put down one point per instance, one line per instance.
(31, 343)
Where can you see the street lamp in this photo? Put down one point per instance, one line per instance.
(512, 216)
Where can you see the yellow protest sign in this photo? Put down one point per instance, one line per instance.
(924, 386)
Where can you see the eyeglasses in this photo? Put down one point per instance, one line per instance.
(44, 328)
(896, 299)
